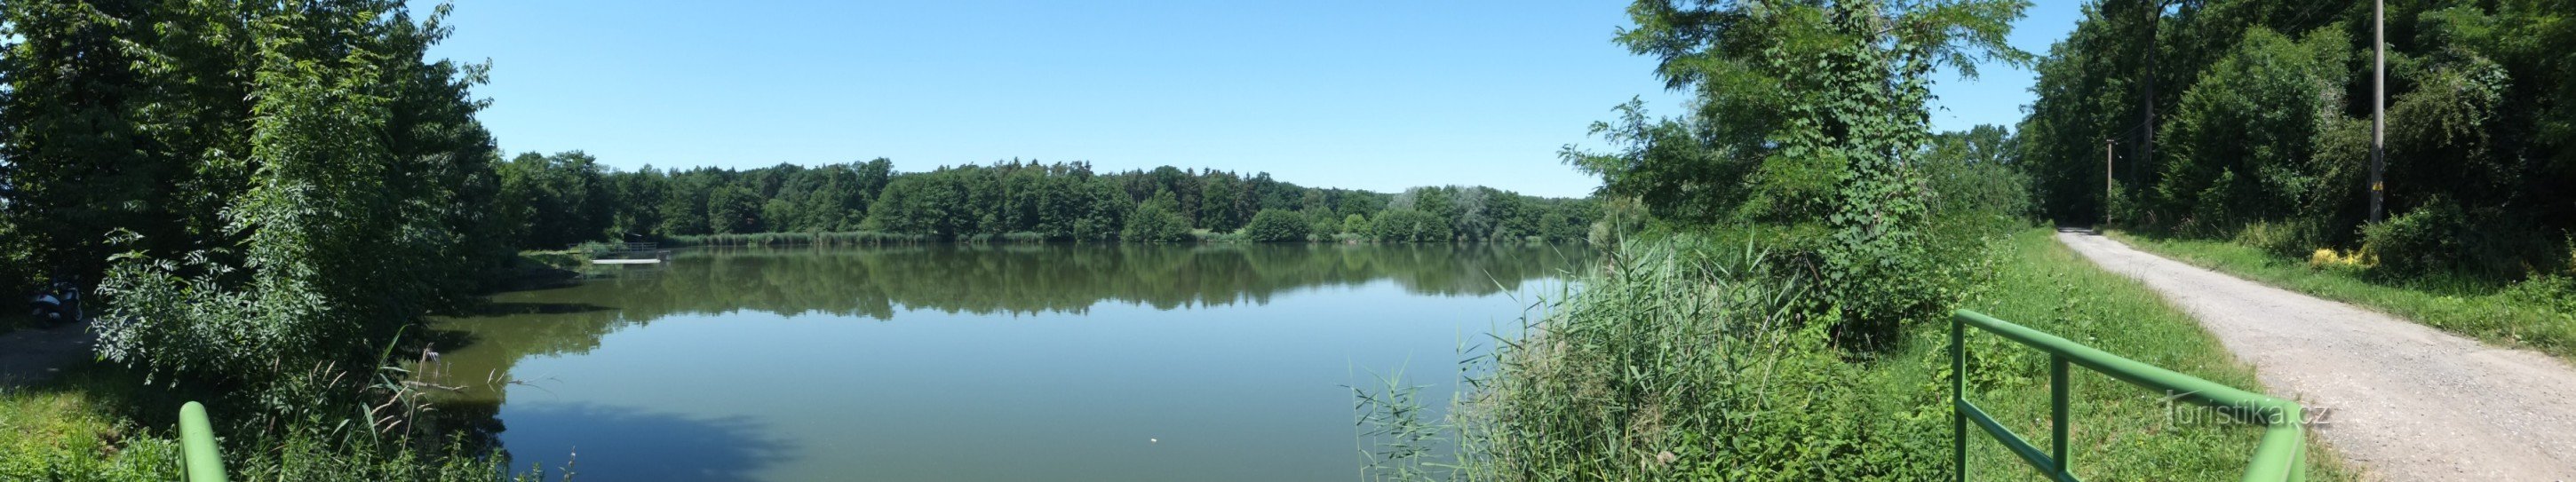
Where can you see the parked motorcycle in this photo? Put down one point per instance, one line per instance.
(59, 303)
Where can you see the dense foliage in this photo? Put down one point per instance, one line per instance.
(265, 195)
(286, 182)
(2260, 128)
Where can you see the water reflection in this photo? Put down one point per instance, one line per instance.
(772, 364)
(1054, 278)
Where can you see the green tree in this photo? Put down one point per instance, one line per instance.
(733, 209)
(556, 200)
(1217, 208)
(81, 158)
(1158, 220)
(1809, 121)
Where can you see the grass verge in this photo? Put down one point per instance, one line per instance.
(2121, 431)
(2539, 314)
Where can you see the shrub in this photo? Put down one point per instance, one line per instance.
(1276, 225)
(2423, 241)
(1410, 226)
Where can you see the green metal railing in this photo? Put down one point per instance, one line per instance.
(2280, 456)
(197, 445)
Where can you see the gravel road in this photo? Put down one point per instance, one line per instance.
(29, 356)
(2403, 401)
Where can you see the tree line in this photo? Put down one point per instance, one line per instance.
(2252, 120)
(568, 198)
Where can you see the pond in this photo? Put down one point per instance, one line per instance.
(1056, 362)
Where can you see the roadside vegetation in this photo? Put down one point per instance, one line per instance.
(2539, 312)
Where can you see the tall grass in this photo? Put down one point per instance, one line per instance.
(1681, 358)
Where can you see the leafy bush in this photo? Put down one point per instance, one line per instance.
(2423, 241)
(1277, 225)
(1410, 226)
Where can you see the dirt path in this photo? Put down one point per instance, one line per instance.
(2406, 402)
(31, 355)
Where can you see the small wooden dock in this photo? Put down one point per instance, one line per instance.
(635, 253)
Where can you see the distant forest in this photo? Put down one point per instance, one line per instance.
(569, 198)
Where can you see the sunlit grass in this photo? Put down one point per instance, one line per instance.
(69, 429)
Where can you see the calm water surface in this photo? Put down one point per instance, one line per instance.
(980, 363)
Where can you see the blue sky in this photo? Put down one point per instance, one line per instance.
(1368, 95)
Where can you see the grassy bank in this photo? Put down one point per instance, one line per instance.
(107, 424)
(69, 429)
(1677, 361)
(2540, 314)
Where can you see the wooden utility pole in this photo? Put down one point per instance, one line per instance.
(2378, 105)
(2106, 183)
